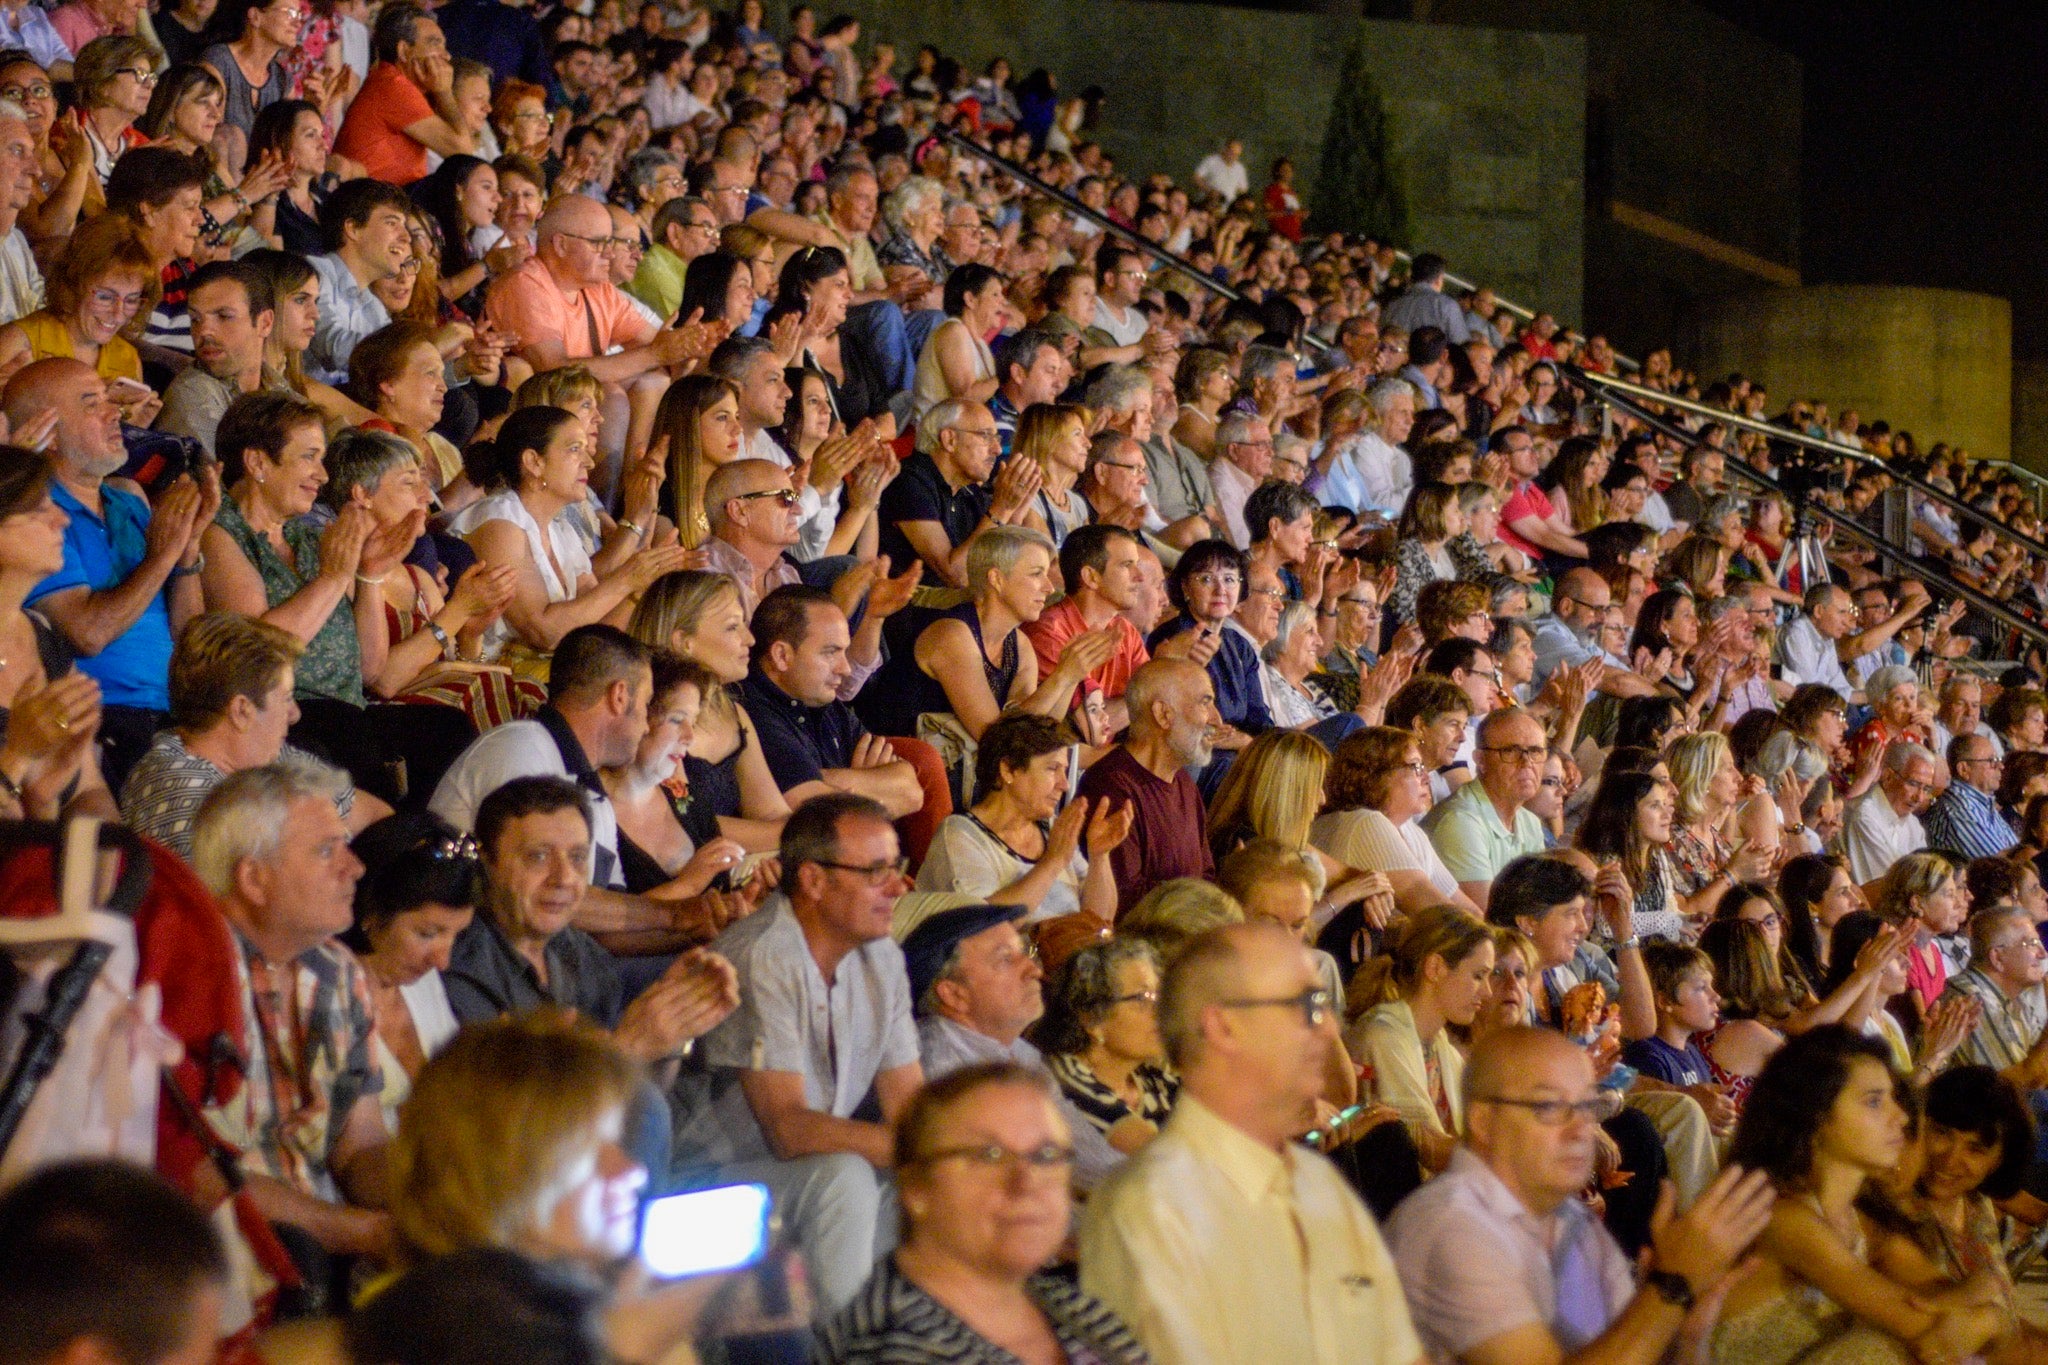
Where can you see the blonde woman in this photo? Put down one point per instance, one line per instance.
(1175, 913)
(1437, 973)
(1706, 859)
(699, 616)
(1923, 891)
(1055, 436)
(1275, 791)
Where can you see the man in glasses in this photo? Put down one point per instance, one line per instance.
(684, 229)
(824, 1018)
(1883, 825)
(1964, 819)
(978, 985)
(1222, 1241)
(1487, 824)
(1502, 1261)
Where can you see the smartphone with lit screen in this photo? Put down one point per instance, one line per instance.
(702, 1232)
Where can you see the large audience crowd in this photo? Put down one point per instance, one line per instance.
(674, 629)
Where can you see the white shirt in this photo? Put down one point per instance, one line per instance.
(1874, 836)
(1656, 513)
(1943, 735)
(524, 748)
(1809, 657)
(21, 284)
(1227, 178)
(1217, 1250)
(1369, 475)
(1369, 841)
(1128, 330)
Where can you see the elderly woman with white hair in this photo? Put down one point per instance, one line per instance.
(1294, 652)
(1373, 473)
(915, 212)
(1896, 713)
(1789, 767)
(970, 660)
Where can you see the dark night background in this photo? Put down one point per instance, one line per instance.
(1926, 154)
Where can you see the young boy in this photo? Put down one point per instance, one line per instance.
(1682, 983)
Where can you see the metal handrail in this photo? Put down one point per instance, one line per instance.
(1787, 436)
(1521, 311)
(1108, 225)
(1742, 469)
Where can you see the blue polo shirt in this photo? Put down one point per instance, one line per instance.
(135, 669)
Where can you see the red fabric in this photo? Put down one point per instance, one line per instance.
(915, 830)
(374, 130)
(1527, 501)
(1283, 211)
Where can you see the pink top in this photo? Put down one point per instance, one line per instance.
(1527, 501)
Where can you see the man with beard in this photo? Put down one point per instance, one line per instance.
(233, 311)
(1172, 707)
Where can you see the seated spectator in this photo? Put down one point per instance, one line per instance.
(271, 847)
(127, 576)
(1808, 650)
(1171, 715)
(232, 313)
(1101, 567)
(1371, 472)
(1378, 786)
(1629, 821)
(940, 500)
(1710, 794)
(563, 306)
(112, 78)
(1961, 712)
(1178, 1245)
(1921, 889)
(523, 952)
(418, 892)
(756, 532)
(98, 1257)
(976, 988)
(1883, 825)
(826, 1016)
(230, 700)
(1244, 460)
(407, 106)
(1437, 712)
(2020, 718)
(1817, 892)
(1484, 1288)
(1484, 825)
(1436, 972)
(970, 660)
(1453, 609)
(1208, 585)
(1756, 1003)
(1101, 1041)
(296, 288)
(1032, 373)
(160, 191)
(975, 1239)
(2003, 982)
(1114, 484)
(1432, 518)
(1018, 845)
(1054, 436)
(1893, 693)
(292, 134)
(104, 277)
(1964, 820)
(1688, 1009)
(397, 373)
(251, 69)
(956, 362)
(364, 229)
(684, 230)
(812, 740)
(540, 466)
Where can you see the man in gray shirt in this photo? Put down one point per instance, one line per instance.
(1425, 304)
(232, 310)
(824, 1018)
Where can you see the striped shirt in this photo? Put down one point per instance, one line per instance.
(170, 322)
(894, 1322)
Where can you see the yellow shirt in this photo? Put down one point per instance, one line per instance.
(1216, 1250)
(47, 337)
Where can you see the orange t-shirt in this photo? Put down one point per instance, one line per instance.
(374, 130)
(527, 303)
(1049, 635)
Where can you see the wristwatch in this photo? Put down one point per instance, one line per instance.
(1671, 1287)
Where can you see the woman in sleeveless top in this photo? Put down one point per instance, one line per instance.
(540, 465)
(968, 661)
(1056, 436)
(1820, 1123)
(698, 616)
(669, 845)
(956, 362)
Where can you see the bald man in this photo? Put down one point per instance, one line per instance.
(1501, 1261)
(1173, 722)
(752, 508)
(1223, 1241)
(561, 306)
(1565, 638)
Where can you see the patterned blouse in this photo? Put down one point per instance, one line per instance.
(1101, 1105)
(1696, 861)
(892, 1320)
(332, 666)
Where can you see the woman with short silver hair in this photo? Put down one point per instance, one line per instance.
(1294, 652)
(1101, 1040)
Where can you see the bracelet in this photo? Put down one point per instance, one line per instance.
(182, 570)
(632, 526)
(376, 582)
(1632, 941)
(447, 644)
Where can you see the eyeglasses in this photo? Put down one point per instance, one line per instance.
(1314, 1005)
(1116, 464)
(1418, 767)
(1516, 753)
(1216, 580)
(17, 93)
(142, 74)
(601, 243)
(786, 496)
(874, 874)
(1557, 1113)
(993, 1156)
(1553, 782)
(1277, 594)
(1149, 997)
(990, 435)
(107, 298)
(529, 116)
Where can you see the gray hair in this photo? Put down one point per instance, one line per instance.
(1287, 440)
(1264, 362)
(937, 418)
(1901, 753)
(245, 816)
(997, 550)
(1720, 509)
(1120, 388)
(360, 458)
(1785, 750)
(1382, 394)
(1086, 990)
(1235, 427)
(642, 165)
(909, 198)
(737, 355)
(1722, 606)
(1292, 617)
(1882, 682)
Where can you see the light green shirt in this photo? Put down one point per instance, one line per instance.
(1468, 835)
(658, 282)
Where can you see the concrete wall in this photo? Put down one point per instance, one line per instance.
(1935, 362)
(1489, 126)
(1689, 119)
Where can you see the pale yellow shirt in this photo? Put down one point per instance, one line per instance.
(1215, 1250)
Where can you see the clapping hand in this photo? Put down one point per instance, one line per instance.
(699, 989)
(1108, 827)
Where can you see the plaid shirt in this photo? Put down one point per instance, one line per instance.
(2009, 1027)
